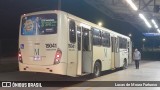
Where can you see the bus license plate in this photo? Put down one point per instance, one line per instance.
(37, 58)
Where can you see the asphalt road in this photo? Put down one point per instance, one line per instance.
(149, 71)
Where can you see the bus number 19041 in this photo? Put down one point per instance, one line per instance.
(51, 45)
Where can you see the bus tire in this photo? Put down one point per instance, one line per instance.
(125, 64)
(97, 69)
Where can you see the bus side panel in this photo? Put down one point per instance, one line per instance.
(123, 55)
(62, 41)
(106, 65)
(117, 60)
(103, 54)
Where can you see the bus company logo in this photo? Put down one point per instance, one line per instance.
(71, 45)
(36, 52)
(6, 84)
(21, 84)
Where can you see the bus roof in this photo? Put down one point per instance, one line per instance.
(78, 19)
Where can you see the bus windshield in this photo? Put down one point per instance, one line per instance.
(41, 24)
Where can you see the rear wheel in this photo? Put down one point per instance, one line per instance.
(97, 69)
(125, 64)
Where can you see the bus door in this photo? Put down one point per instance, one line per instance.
(114, 52)
(117, 53)
(87, 59)
(72, 50)
(79, 46)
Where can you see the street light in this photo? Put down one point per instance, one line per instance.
(145, 20)
(59, 4)
(143, 39)
(131, 3)
(130, 35)
(154, 23)
(158, 30)
(143, 43)
(100, 23)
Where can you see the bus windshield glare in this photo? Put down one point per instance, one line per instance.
(41, 24)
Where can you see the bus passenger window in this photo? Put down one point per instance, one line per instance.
(72, 31)
(96, 37)
(122, 43)
(106, 39)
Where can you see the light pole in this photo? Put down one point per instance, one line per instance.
(130, 35)
(59, 4)
(143, 43)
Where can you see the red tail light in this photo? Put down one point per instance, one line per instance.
(58, 56)
(20, 56)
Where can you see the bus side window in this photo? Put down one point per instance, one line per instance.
(96, 37)
(122, 43)
(105, 39)
(72, 31)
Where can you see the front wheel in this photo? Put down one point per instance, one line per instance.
(97, 69)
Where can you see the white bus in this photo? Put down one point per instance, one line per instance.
(60, 43)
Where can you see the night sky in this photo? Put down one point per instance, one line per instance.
(11, 10)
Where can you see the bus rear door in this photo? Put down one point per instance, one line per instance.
(84, 42)
(115, 53)
(87, 57)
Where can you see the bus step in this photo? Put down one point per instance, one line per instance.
(85, 73)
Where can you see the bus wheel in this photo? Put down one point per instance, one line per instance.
(97, 69)
(125, 64)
